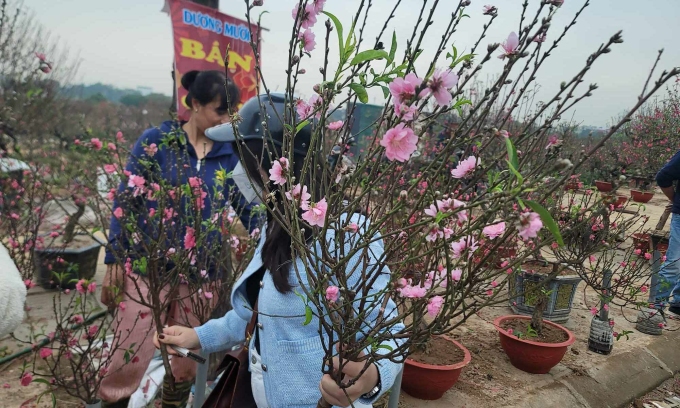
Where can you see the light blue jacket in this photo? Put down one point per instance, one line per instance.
(292, 353)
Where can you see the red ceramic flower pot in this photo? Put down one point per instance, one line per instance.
(603, 186)
(641, 196)
(531, 356)
(430, 382)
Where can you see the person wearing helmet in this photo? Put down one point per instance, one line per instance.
(285, 355)
(211, 104)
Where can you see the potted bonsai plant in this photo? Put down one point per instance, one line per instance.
(75, 254)
(559, 290)
(645, 190)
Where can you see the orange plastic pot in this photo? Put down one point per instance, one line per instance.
(430, 382)
(531, 356)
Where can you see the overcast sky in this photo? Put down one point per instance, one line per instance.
(128, 43)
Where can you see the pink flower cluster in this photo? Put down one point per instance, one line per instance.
(401, 141)
(306, 18)
(528, 225)
(82, 286)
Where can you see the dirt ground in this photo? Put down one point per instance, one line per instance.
(488, 381)
(670, 388)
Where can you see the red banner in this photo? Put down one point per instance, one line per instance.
(201, 37)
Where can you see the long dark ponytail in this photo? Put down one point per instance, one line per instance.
(277, 252)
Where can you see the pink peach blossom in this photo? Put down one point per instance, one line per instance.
(318, 5)
(96, 143)
(316, 214)
(307, 16)
(307, 39)
(467, 243)
(190, 238)
(299, 194)
(529, 224)
(332, 293)
(466, 167)
(26, 379)
(439, 86)
(413, 292)
(510, 45)
(403, 89)
(494, 231)
(304, 110)
(434, 305)
(335, 125)
(45, 352)
(151, 149)
(405, 112)
(279, 171)
(399, 142)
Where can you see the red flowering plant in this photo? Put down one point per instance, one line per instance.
(477, 191)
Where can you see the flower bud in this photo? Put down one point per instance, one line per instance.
(317, 88)
(257, 3)
(302, 71)
(296, 59)
(403, 195)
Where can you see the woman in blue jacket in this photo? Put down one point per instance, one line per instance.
(211, 104)
(286, 355)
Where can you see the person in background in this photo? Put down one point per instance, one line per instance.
(285, 355)
(668, 288)
(211, 103)
(12, 294)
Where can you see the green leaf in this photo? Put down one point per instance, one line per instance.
(54, 400)
(459, 105)
(308, 315)
(301, 126)
(126, 356)
(41, 381)
(385, 346)
(386, 91)
(393, 48)
(348, 51)
(338, 28)
(517, 174)
(360, 91)
(369, 55)
(547, 219)
(512, 153)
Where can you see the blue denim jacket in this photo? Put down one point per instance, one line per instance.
(291, 351)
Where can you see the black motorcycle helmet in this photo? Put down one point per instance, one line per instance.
(267, 108)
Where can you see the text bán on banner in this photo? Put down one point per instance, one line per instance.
(201, 37)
